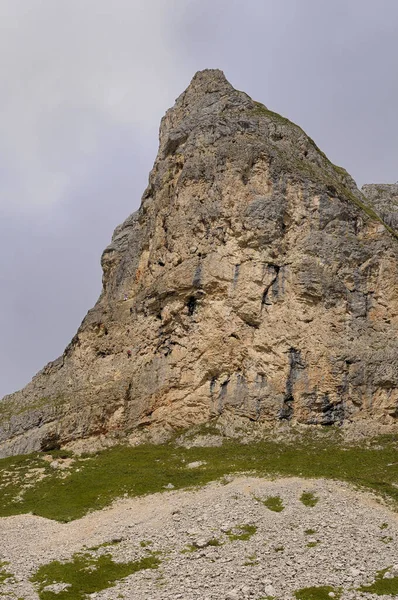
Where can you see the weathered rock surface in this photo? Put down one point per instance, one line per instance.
(254, 281)
(384, 198)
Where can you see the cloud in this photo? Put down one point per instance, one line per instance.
(70, 68)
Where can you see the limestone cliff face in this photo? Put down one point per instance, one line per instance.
(254, 280)
(384, 198)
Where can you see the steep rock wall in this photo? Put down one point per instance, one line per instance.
(384, 198)
(254, 280)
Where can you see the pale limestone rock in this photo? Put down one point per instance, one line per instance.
(384, 198)
(254, 286)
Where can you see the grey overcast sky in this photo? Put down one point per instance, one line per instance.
(84, 84)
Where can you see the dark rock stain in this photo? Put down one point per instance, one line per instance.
(236, 275)
(222, 395)
(295, 366)
(191, 305)
(273, 285)
(196, 282)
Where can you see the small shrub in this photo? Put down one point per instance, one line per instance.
(274, 503)
(308, 499)
(4, 574)
(386, 539)
(242, 532)
(214, 542)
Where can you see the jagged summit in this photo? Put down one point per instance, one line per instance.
(210, 103)
(209, 94)
(207, 81)
(255, 285)
(206, 88)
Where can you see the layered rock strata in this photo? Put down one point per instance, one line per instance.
(255, 280)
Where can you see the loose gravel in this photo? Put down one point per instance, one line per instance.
(342, 541)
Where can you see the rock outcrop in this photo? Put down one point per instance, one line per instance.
(255, 280)
(384, 198)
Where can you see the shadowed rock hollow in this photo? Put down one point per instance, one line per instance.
(255, 282)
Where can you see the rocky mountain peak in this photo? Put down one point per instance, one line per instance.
(203, 83)
(208, 95)
(255, 286)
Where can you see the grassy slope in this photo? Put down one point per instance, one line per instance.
(95, 482)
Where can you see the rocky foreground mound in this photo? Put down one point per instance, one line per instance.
(289, 539)
(255, 282)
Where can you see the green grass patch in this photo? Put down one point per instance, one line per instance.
(251, 561)
(386, 539)
(382, 586)
(319, 592)
(93, 483)
(214, 542)
(4, 574)
(312, 544)
(242, 532)
(86, 574)
(310, 531)
(309, 499)
(114, 542)
(274, 503)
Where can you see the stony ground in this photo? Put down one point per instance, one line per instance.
(219, 542)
